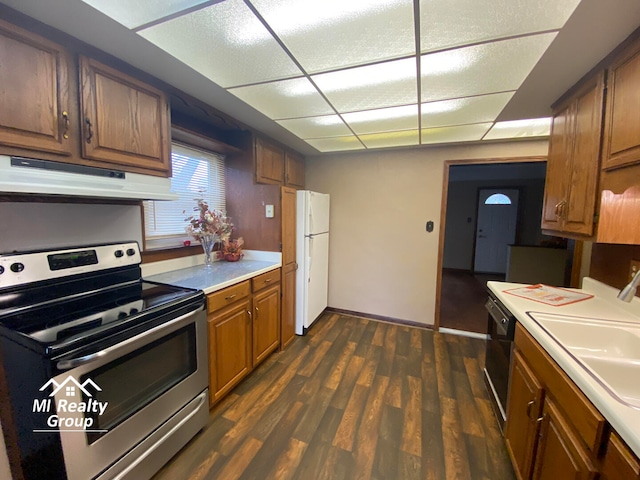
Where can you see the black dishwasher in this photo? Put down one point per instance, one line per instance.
(501, 329)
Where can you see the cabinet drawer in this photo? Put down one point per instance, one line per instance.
(583, 416)
(266, 279)
(227, 296)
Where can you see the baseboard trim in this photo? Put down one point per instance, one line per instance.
(464, 333)
(379, 318)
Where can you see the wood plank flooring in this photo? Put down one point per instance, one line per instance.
(355, 399)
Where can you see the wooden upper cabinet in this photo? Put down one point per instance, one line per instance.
(293, 170)
(269, 162)
(573, 167)
(622, 123)
(34, 92)
(124, 121)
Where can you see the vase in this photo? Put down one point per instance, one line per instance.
(208, 241)
(233, 257)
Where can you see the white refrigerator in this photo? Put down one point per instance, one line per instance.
(312, 256)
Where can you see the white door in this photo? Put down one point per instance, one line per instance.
(318, 280)
(496, 228)
(318, 213)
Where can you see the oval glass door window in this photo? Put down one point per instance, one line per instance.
(498, 199)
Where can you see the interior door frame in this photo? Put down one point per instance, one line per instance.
(475, 225)
(443, 212)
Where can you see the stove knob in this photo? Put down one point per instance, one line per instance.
(119, 253)
(1, 269)
(131, 252)
(17, 267)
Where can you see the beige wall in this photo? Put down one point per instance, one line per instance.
(381, 260)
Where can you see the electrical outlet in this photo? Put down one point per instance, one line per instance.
(633, 268)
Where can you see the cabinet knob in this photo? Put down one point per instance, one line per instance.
(230, 297)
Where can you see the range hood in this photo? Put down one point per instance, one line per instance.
(28, 175)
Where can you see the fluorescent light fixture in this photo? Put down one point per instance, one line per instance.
(535, 127)
(454, 134)
(383, 119)
(133, 14)
(368, 76)
(391, 139)
(461, 111)
(335, 144)
(316, 127)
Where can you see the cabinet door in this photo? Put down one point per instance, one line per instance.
(266, 323)
(293, 170)
(619, 462)
(229, 348)
(124, 121)
(269, 163)
(558, 168)
(34, 92)
(289, 266)
(578, 213)
(523, 411)
(622, 125)
(560, 454)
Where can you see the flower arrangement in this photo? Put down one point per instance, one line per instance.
(208, 222)
(232, 249)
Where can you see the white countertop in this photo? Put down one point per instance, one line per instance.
(624, 419)
(219, 275)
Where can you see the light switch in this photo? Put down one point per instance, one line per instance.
(269, 211)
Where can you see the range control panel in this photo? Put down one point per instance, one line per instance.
(28, 267)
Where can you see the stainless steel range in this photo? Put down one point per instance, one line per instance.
(103, 375)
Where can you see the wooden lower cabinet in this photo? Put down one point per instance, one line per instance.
(523, 413)
(266, 323)
(619, 462)
(560, 453)
(244, 328)
(229, 348)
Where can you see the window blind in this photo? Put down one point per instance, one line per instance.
(196, 174)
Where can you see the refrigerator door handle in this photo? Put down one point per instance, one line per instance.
(310, 259)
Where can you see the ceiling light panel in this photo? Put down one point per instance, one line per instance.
(133, 14)
(484, 108)
(460, 133)
(316, 127)
(335, 34)
(391, 139)
(536, 127)
(284, 99)
(383, 120)
(451, 23)
(386, 84)
(487, 68)
(336, 144)
(213, 41)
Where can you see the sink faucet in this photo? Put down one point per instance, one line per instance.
(628, 292)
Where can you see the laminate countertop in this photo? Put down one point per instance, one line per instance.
(625, 419)
(216, 277)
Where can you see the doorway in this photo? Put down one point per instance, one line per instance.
(497, 217)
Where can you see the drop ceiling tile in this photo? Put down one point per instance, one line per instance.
(284, 99)
(536, 127)
(459, 133)
(133, 14)
(488, 68)
(391, 139)
(336, 144)
(383, 120)
(381, 85)
(335, 33)
(451, 23)
(316, 127)
(459, 111)
(226, 43)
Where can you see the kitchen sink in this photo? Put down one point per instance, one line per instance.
(608, 349)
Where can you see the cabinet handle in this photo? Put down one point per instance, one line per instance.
(529, 405)
(230, 297)
(268, 280)
(558, 209)
(257, 311)
(562, 205)
(89, 129)
(65, 117)
(249, 313)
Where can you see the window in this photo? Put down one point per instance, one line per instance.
(498, 199)
(196, 174)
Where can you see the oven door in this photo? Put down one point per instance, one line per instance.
(109, 401)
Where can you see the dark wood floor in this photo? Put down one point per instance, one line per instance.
(355, 399)
(462, 300)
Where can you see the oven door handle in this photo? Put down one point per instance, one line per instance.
(116, 350)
